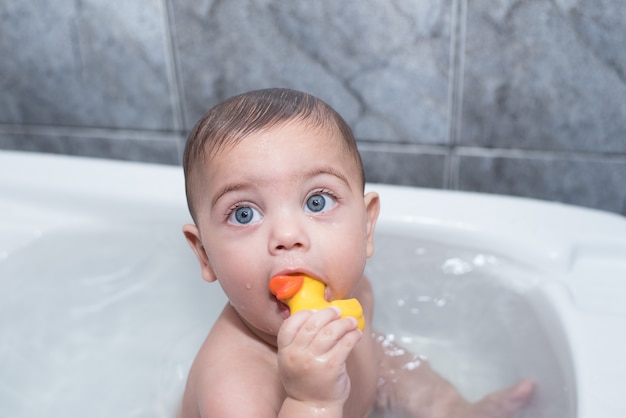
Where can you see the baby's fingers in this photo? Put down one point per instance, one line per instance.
(319, 332)
(290, 328)
(337, 336)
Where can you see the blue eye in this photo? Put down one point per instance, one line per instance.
(244, 215)
(319, 202)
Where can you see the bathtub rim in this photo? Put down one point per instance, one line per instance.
(564, 237)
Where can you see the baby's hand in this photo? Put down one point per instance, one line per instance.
(312, 351)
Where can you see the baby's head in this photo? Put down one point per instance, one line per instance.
(275, 186)
(226, 124)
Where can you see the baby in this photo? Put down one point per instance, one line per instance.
(275, 185)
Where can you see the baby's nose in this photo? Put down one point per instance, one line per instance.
(289, 232)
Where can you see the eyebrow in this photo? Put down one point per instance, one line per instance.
(329, 170)
(233, 187)
(326, 170)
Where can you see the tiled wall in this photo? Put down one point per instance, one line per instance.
(523, 97)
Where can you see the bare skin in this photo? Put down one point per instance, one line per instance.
(255, 220)
(248, 370)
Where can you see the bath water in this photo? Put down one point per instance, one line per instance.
(104, 319)
(469, 314)
(100, 320)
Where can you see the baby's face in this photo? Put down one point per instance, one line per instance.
(288, 200)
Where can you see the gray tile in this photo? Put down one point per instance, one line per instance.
(546, 75)
(163, 151)
(383, 65)
(87, 63)
(594, 183)
(404, 166)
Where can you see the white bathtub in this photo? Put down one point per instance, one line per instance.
(102, 307)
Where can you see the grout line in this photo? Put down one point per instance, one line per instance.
(549, 155)
(454, 163)
(174, 72)
(455, 95)
(461, 71)
(454, 154)
(88, 132)
(402, 148)
(457, 62)
(170, 66)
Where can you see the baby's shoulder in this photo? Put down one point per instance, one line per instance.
(231, 346)
(228, 366)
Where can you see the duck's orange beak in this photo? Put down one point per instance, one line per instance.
(285, 287)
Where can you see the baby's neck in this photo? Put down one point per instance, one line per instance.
(256, 333)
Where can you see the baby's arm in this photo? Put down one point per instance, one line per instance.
(312, 351)
(411, 387)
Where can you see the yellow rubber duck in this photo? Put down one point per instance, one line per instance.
(302, 292)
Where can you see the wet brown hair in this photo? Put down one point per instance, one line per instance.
(240, 116)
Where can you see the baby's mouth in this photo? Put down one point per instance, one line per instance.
(327, 294)
(283, 308)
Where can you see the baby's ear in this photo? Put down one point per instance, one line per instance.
(192, 234)
(372, 208)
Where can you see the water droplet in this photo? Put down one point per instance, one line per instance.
(406, 340)
(456, 267)
(412, 365)
(482, 260)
